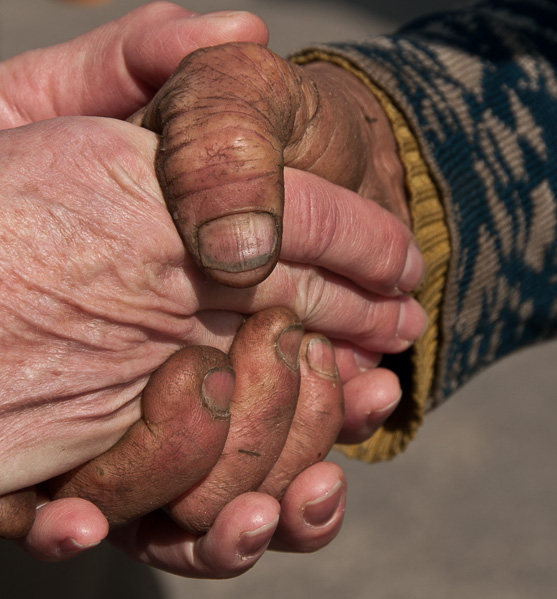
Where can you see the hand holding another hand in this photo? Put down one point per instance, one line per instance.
(99, 304)
(262, 453)
(231, 118)
(99, 292)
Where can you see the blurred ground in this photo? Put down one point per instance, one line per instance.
(468, 511)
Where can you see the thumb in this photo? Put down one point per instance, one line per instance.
(115, 69)
(230, 118)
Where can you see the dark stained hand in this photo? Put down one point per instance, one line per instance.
(230, 118)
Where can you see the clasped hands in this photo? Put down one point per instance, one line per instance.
(99, 292)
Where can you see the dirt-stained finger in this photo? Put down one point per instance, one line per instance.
(178, 440)
(230, 118)
(265, 358)
(318, 418)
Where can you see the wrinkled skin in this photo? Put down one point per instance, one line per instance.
(240, 302)
(100, 310)
(178, 440)
(92, 307)
(171, 448)
(230, 118)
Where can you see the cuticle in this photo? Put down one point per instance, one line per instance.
(294, 367)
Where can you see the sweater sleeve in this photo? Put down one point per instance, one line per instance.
(472, 97)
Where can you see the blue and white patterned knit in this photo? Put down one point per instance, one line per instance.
(479, 89)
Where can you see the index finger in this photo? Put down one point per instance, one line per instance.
(183, 429)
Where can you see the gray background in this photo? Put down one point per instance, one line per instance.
(468, 511)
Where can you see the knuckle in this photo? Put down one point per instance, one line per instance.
(320, 218)
(312, 291)
(392, 254)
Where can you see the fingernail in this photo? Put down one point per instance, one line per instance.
(414, 269)
(366, 360)
(288, 345)
(386, 410)
(217, 390)
(254, 542)
(320, 511)
(412, 321)
(238, 242)
(320, 357)
(69, 546)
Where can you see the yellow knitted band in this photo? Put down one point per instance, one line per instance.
(432, 235)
